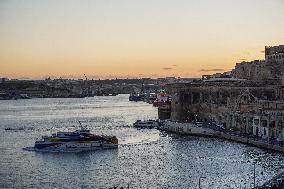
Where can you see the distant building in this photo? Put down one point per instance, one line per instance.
(275, 53)
(3, 79)
(272, 68)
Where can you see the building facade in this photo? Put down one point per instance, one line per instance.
(250, 101)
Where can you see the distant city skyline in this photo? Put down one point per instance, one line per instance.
(133, 39)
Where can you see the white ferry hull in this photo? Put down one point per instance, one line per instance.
(73, 147)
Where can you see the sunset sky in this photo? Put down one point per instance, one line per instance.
(134, 38)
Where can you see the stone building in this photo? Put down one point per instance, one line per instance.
(275, 53)
(272, 68)
(251, 100)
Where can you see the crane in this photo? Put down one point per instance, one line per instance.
(85, 77)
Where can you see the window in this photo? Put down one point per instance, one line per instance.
(264, 123)
(279, 124)
(256, 121)
(264, 132)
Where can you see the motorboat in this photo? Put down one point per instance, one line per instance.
(146, 124)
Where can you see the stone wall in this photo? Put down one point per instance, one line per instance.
(218, 101)
(259, 70)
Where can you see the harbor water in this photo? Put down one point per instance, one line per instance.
(146, 158)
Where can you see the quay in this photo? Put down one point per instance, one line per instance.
(277, 182)
(215, 132)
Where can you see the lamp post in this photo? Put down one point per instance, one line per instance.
(199, 182)
(254, 175)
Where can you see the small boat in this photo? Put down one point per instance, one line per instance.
(162, 99)
(136, 97)
(146, 124)
(75, 141)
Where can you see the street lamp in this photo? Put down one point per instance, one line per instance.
(254, 175)
(199, 182)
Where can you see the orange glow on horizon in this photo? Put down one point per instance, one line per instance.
(134, 38)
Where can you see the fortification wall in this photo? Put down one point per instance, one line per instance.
(259, 70)
(214, 101)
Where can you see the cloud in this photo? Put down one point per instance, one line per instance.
(262, 51)
(211, 70)
(167, 68)
(174, 65)
(243, 59)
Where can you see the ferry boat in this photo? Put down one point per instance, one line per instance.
(76, 141)
(146, 124)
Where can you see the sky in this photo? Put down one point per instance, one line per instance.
(134, 38)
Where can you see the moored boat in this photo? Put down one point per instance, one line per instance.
(146, 124)
(136, 97)
(162, 98)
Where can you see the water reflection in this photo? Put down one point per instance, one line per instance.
(145, 159)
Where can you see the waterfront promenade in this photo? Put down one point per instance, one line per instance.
(276, 182)
(206, 130)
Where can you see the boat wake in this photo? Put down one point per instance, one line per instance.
(140, 139)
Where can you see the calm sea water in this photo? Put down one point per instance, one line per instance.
(145, 158)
